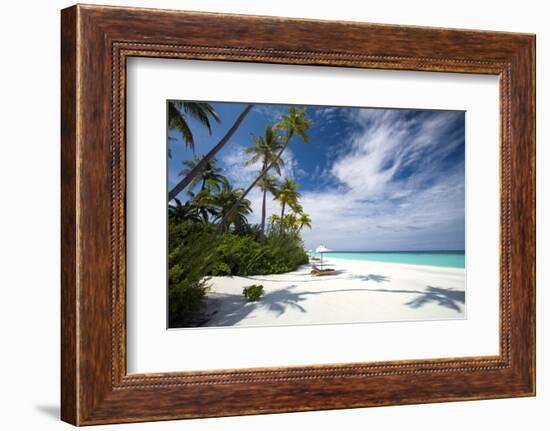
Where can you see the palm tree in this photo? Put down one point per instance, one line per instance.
(265, 150)
(183, 212)
(304, 220)
(204, 203)
(273, 219)
(291, 222)
(268, 183)
(232, 209)
(179, 112)
(287, 194)
(274, 224)
(210, 177)
(295, 123)
(200, 165)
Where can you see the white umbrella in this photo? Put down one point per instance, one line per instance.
(321, 249)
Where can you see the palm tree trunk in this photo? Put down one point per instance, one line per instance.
(264, 190)
(258, 178)
(282, 215)
(262, 226)
(200, 166)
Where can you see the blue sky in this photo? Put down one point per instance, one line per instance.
(370, 178)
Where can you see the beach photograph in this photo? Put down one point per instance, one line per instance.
(286, 214)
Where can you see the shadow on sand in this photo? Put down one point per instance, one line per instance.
(232, 308)
(444, 297)
(371, 277)
(299, 277)
(235, 308)
(448, 298)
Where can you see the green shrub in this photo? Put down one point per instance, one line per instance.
(199, 250)
(220, 268)
(253, 293)
(245, 255)
(188, 264)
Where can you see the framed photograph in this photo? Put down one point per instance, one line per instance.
(314, 215)
(385, 188)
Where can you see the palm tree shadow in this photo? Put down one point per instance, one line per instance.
(278, 302)
(370, 277)
(448, 298)
(377, 278)
(235, 308)
(444, 297)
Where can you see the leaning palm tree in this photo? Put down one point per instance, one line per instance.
(200, 166)
(209, 178)
(287, 194)
(265, 150)
(179, 112)
(295, 123)
(231, 208)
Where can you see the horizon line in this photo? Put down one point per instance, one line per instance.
(393, 251)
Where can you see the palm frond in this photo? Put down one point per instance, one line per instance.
(200, 111)
(253, 160)
(177, 121)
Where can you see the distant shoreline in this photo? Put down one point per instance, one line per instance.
(441, 259)
(413, 266)
(398, 251)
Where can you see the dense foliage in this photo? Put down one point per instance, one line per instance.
(188, 265)
(209, 232)
(199, 250)
(246, 255)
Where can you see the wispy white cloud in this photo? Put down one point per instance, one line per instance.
(271, 112)
(426, 219)
(242, 175)
(386, 143)
(327, 114)
(375, 205)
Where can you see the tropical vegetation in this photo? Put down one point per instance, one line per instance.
(179, 112)
(209, 230)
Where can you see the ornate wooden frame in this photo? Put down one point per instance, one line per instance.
(95, 42)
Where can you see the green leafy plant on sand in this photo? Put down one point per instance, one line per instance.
(253, 293)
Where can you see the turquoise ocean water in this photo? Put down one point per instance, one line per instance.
(452, 259)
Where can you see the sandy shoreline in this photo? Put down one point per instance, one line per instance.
(361, 291)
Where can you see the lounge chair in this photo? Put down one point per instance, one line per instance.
(316, 272)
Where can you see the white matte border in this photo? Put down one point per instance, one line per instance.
(153, 348)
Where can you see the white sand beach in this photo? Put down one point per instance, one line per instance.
(361, 291)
